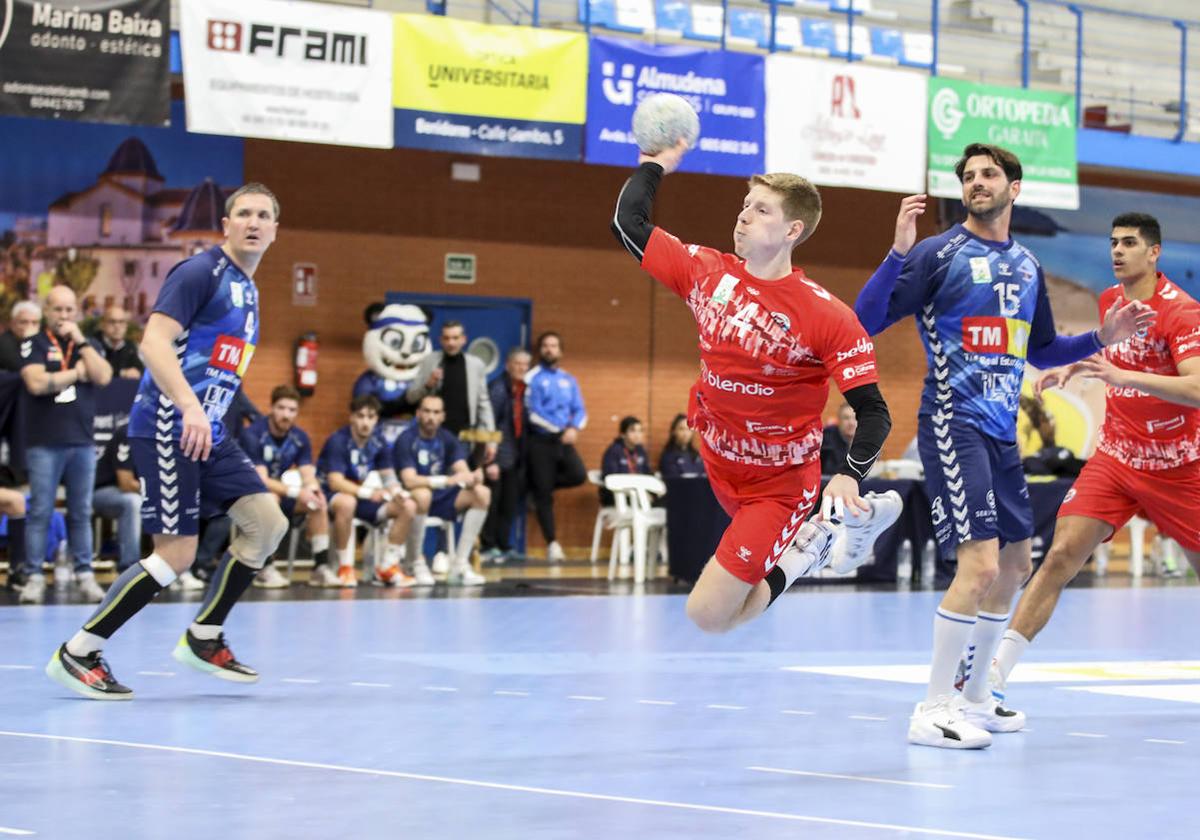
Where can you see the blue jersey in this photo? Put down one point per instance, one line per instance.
(387, 391)
(979, 306)
(554, 400)
(217, 305)
(428, 456)
(341, 454)
(278, 455)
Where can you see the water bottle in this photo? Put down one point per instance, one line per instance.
(62, 567)
(929, 563)
(904, 564)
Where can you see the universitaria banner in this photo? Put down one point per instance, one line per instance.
(310, 72)
(101, 61)
(725, 88)
(846, 125)
(490, 90)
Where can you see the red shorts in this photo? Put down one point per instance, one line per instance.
(1112, 492)
(767, 504)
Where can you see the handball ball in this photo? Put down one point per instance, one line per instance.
(662, 120)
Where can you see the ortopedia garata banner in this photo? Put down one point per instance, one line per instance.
(515, 91)
(725, 88)
(310, 72)
(846, 125)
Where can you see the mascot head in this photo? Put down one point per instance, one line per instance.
(396, 341)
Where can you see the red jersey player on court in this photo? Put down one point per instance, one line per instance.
(770, 341)
(1148, 458)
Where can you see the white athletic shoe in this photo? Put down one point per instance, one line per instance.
(324, 576)
(942, 723)
(463, 575)
(859, 531)
(555, 553)
(421, 573)
(91, 591)
(34, 590)
(814, 541)
(188, 582)
(989, 714)
(271, 578)
(441, 564)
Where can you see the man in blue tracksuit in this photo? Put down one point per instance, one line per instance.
(556, 415)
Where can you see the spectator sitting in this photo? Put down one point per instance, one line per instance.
(680, 458)
(120, 353)
(118, 496)
(276, 445)
(625, 455)
(835, 444)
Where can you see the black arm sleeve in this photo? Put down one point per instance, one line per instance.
(631, 222)
(874, 423)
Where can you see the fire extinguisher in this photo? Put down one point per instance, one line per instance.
(307, 348)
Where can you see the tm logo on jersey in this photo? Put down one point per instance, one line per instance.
(995, 335)
(231, 354)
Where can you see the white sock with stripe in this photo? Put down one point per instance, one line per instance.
(980, 652)
(1012, 645)
(951, 631)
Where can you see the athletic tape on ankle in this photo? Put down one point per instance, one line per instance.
(160, 570)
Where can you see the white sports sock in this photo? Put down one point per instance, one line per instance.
(793, 563)
(205, 632)
(416, 538)
(320, 542)
(473, 521)
(391, 555)
(950, 634)
(345, 556)
(84, 643)
(979, 654)
(1012, 646)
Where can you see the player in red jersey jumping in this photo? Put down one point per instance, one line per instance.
(770, 341)
(1147, 461)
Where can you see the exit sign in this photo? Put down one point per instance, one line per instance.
(460, 268)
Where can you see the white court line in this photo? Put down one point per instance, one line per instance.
(16, 668)
(504, 693)
(572, 794)
(18, 832)
(726, 708)
(851, 778)
(1086, 735)
(1163, 741)
(866, 717)
(371, 685)
(446, 688)
(795, 712)
(156, 673)
(657, 702)
(591, 697)
(299, 681)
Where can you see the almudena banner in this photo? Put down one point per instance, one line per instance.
(490, 90)
(1036, 125)
(310, 72)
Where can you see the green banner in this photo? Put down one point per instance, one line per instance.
(1038, 126)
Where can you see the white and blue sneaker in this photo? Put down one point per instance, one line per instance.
(989, 714)
(815, 541)
(859, 530)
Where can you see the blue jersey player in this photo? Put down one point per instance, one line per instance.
(432, 464)
(197, 344)
(980, 302)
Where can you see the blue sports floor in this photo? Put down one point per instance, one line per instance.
(599, 717)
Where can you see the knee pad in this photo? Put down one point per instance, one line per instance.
(261, 526)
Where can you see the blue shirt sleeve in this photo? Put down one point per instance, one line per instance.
(613, 462)
(123, 457)
(188, 287)
(402, 454)
(578, 413)
(1048, 349)
(455, 451)
(252, 445)
(304, 456)
(334, 455)
(38, 345)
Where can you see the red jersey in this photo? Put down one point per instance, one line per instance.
(768, 349)
(1142, 431)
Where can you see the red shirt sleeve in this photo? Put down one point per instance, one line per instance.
(1183, 326)
(846, 350)
(676, 265)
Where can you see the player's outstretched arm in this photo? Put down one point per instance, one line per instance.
(1183, 389)
(631, 222)
(874, 424)
(872, 303)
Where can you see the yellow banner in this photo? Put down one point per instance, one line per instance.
(515, 72)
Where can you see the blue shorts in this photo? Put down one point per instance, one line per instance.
(178, 492)
(975, 483)
(364, 509)
(442, 505)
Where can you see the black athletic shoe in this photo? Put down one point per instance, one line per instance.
(212, 656)
(87, 675)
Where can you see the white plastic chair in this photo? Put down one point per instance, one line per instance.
(608, 517)
(648, 524)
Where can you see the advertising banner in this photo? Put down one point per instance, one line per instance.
(311, 72)
(846, 125)
(1038, 126)
(89, 61)
(725, 88)
(490, 90)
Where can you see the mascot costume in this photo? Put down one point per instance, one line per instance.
(396, 340)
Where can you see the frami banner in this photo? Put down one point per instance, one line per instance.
(845, 124)
(725, 88)
(1038, 126)
(99, 61)
(490, 90)
(310, 72)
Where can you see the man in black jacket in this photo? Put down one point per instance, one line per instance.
(506, 475)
